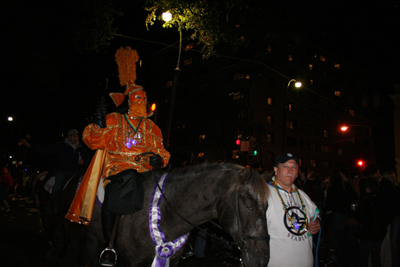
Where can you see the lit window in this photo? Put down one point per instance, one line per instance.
(290, 107)
(313, 163)
(326, 133)
(310, 66)
(322, 58)
(336, 66)
(269, 48)
(188, 47)
(289, 124)
(202, 137)
(247, 76)
(340, 151)
(325, 149)
(200, 155)
(338, 93)
(269, 119)
(169, 84)
(235, 154)
(311, 82)
(188, 61)
(290, 58)
(351, 112)
(270, 138)
(269, 101)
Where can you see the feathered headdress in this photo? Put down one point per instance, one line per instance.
(126, 59)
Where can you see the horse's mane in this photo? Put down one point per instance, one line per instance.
(194, 170)
(258, 183)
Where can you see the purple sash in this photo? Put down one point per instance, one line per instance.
(164, 249)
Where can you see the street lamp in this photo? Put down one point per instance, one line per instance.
(344, 128)
(167, 16)
(297, 84)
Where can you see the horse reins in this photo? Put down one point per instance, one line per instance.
(243, 245)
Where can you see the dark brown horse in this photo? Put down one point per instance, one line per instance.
(234, 195)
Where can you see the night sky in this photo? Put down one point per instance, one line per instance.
(48, 86)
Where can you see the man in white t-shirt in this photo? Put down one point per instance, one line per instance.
(291, 217)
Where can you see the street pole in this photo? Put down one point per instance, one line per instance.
(298, 85)
(174, 89)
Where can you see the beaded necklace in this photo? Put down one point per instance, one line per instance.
(293, 221)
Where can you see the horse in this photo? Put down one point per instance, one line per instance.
(234, 195)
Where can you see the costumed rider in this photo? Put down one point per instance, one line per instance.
(124, 135)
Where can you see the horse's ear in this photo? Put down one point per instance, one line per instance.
(245, 175)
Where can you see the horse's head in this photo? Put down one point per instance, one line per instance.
(243, 214)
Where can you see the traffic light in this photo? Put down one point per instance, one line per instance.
(238, 142)
(153, 107)
(361, 164)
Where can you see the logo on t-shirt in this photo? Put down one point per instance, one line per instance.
(298, 223)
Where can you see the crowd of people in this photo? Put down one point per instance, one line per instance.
(357, 214)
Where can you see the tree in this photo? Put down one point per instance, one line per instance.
(213, 23)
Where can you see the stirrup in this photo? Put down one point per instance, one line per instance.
(108, 262)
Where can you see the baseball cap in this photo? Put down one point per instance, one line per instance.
(284, 157)
(72, 132)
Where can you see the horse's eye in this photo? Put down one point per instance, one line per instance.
(138, 97)
(250, 208)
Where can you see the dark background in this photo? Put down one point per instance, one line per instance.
(49, 84)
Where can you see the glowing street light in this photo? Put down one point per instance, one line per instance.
(166, 16)
(10, 118)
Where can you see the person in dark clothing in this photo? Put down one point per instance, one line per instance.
(340, 197)
(71, 158)
(395, 220)
(6, 182)
(373, 226)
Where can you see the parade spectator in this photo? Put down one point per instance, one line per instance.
(301, 180)
(315, 191)
(6, 182)
(373, 227)
(339, 200)
(395, 221)
(290, 238)
(71, 158)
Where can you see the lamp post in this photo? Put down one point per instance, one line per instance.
(297, 85)
(344, 128)
(167, 16)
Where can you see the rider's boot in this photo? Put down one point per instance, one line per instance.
(108, 256)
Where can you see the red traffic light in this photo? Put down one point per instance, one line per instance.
(153, 107)
(360, 163)
(238, 142)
